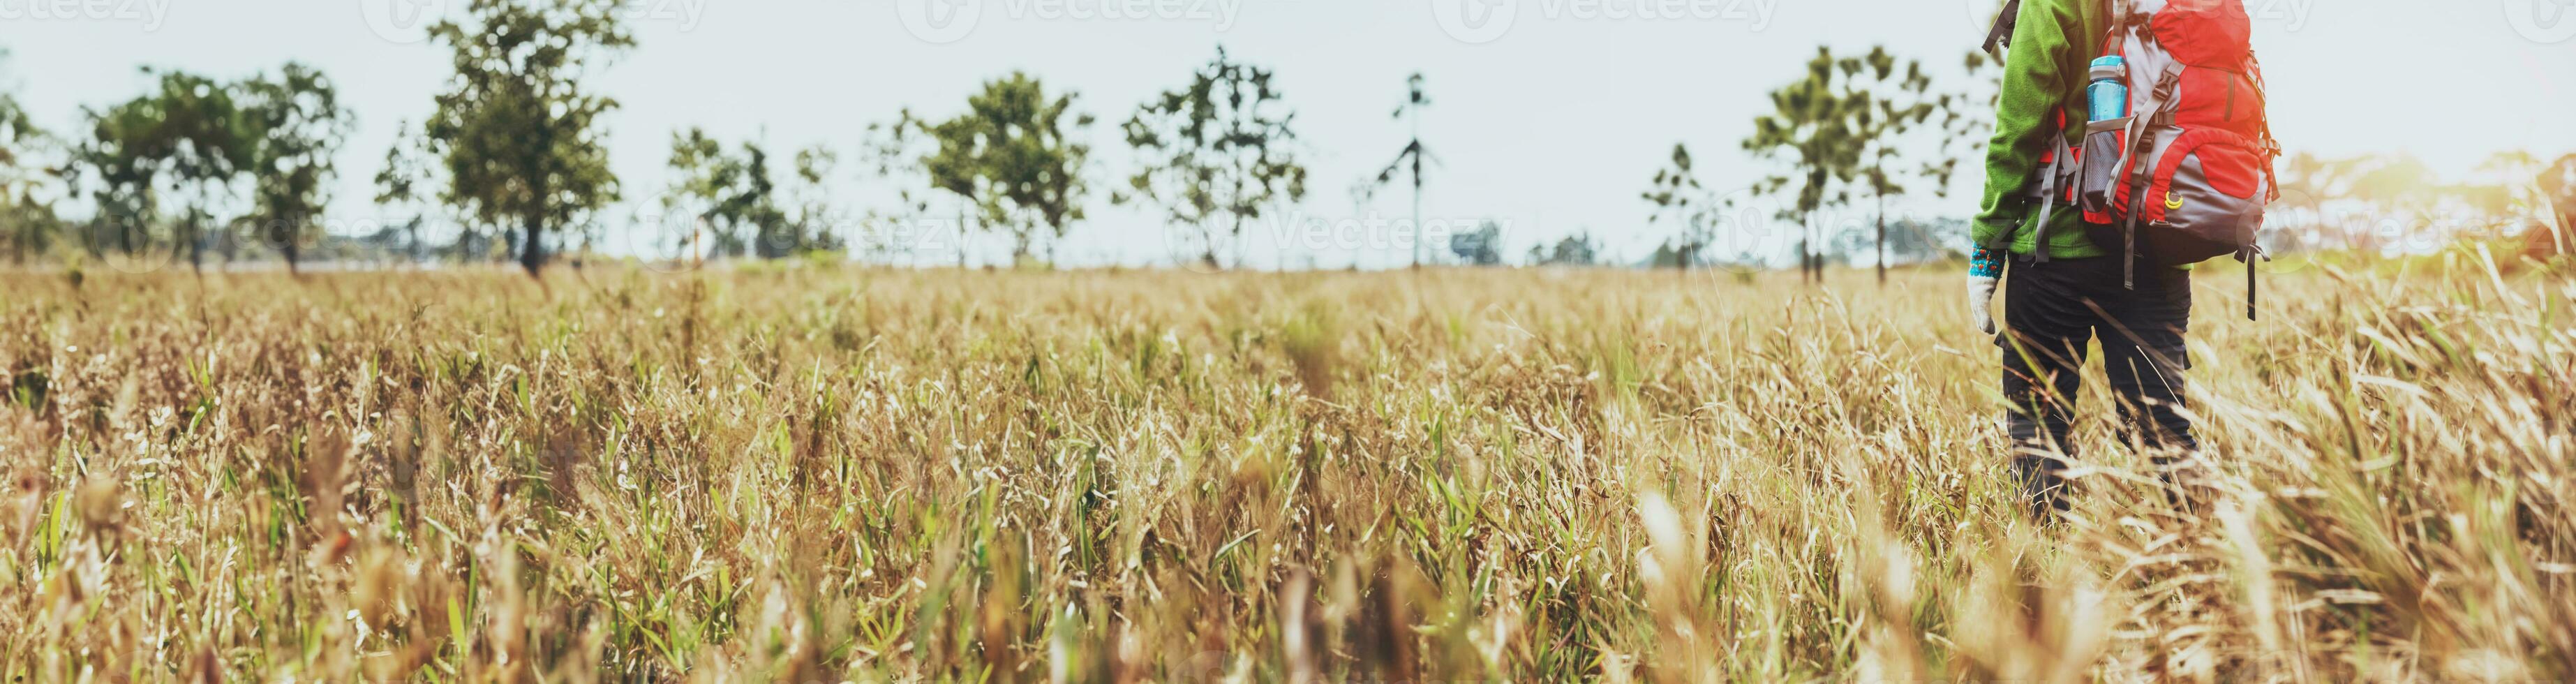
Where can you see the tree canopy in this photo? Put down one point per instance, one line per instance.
(1015, 156)
(520, 135)
(295, 125)
(1217, 152)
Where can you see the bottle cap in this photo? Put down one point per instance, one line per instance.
(2110, 67)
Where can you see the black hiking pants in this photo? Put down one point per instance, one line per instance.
(2051, 310)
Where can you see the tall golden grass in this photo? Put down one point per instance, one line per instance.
(821, 476)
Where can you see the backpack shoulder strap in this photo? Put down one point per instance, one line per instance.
(2000, 35)
(2271, 147)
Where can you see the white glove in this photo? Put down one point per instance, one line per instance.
(1985, 268)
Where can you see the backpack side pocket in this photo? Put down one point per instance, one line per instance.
(2100, 174)
(2205, 199)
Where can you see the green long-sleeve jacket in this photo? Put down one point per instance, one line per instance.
(2045, 71)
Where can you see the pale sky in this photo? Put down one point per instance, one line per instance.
(1550, 115)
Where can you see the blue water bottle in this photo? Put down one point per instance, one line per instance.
(2109, 98)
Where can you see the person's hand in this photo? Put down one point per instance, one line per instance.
(1985, 268)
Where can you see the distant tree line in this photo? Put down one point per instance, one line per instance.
(1858, 127)
(195, 165)
(2377, 203)
(513, 157)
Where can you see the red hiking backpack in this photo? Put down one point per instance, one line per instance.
(2184, 178)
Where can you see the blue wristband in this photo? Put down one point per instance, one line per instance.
(1985, 263)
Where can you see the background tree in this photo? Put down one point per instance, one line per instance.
(705, 181)
(2519, 197)
(187, 139)
(1965, 124)
(958, 169)
(734, 197)
(518, 134)
(1810, 130)
(1216, 152)
(27, 221)
(2557, 185)
(2506, 178)
(1412, 157)
(2399, 189)
(2306, 183)
(1885, 104)
(757, 206)
(1675, 194)
(816, 224)
(120, 178)
(2505, 193)
(1012, 155)
(1912, 239)
(1573, 250)
(295, 125)
(1482, 247)
(893, 152)
(404, 183)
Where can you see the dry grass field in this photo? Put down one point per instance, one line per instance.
(817, 476)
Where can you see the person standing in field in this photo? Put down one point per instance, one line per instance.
(2086, 266)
